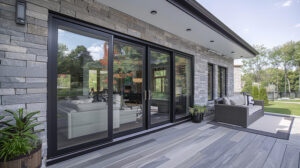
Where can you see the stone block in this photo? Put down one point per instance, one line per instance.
(38, 30)
(12, 79)
(37, 15)
(7, 91)
(11, 32)
(37, 90)
(36, 21)
(5, 14)
(23, 99)
(42, 59)
(20, 56)
(7, 7)
(4, 39)
(23, 85)
(35, 51)
(8, 2)
(11, 62)
(51, 5)
(28, 44)
(13, 107)
(32, 64)
(10, 71)
(20, 91)
(36, 8)
(36, 80)
(10, 48)
(37, 107)
(36, 39)
(2, 54)
(17, 38)
(11, 24)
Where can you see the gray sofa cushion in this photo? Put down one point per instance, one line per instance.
(254, 108)
(237, 100)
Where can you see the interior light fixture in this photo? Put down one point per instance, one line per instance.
(211, 41)
(153, 12)
(232, 52)
(21, 12)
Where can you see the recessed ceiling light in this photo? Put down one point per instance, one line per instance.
(232, 52)
(242, 56)
(211, 41)
(188, 29)
(153, 12)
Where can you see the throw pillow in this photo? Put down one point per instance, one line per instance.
(250, 100)
(226, 101)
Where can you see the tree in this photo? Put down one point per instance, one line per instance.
(248, 84)
(255, 65)
(296, 61)
(286, 53)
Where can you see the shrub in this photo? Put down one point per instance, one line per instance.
(255, 93)
(263, 95)
(18, 138)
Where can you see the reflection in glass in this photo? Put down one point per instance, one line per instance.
(159, 85)
(222, 82)
(210, 81)
(183, 86)
(128, 86)
(82, 72)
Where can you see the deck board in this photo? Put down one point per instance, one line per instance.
(192, 145)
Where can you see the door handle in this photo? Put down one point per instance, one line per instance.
(149, 94)
(145, 95)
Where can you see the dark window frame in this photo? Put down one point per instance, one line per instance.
(220, 81)
(212, 80)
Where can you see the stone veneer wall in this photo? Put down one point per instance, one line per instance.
(23, 51)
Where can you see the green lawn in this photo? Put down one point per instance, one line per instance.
(291, 100)
(283, 108)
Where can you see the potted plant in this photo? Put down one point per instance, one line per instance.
(19, 143)
(197, 113)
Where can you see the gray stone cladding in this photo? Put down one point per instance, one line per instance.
(23, 51)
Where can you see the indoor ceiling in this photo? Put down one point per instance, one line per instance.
(172, 19)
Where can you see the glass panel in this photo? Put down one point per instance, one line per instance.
(128, 86)
(159, 86)
(183, 86)
(210, 82)
(82, 113)
(222, 82)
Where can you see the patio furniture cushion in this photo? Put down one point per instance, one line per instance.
(237, 100)
(227, 101)
(254, 108)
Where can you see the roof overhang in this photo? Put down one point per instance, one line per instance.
(175, 16)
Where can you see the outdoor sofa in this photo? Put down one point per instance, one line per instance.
(237, 111)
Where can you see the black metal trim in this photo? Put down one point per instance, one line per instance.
(220, 81)
(212, 80)
(197, 11)
(191, 57)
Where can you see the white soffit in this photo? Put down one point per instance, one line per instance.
(174, 20)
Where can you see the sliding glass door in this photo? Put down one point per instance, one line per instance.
(128, 86)
(159, 86)
(183, 85)
(82, 87)
(102, 85)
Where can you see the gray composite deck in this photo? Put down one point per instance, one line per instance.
(193, 145)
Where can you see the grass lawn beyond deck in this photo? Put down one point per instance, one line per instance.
(283, 108)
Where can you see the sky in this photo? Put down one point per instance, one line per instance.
(260, 22)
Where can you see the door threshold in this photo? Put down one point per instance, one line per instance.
(111, 143)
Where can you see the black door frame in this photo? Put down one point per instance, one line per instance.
(52, 87)
(191, 58)
(56, 19)
(149, 78)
